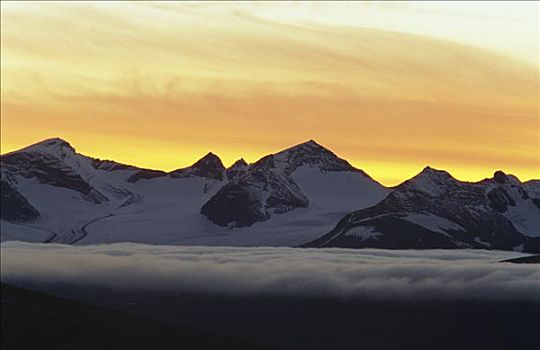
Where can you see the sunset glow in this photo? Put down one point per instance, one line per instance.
(391, 87)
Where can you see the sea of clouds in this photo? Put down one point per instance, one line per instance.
(290, 272)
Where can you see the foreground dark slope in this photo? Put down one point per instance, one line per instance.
(434, 210)
(304, 323)
(32, 320)
(533, 259)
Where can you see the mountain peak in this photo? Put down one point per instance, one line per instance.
(430, 181)
(53, 146)
(429, 170)
(54, 141)
(308, 153)
(209, 166)
(310, 144)
(432, 173)
(239, 168)
(210, 157)
(240, 163)
(501, 177)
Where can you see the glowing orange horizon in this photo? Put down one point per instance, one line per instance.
(372, 167)
(160, 85)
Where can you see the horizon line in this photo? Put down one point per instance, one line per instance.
(311, 140)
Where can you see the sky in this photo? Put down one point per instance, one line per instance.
(389, 86)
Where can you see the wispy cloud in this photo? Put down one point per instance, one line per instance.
(132, 73)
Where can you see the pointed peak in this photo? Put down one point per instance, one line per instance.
(308, 144)
(238, 168)
(240, 163)
(210, 155)
(210, 159)
(308, 147)
(430, 181)
(429, 171)
(309, 153)
(312, 142)
(432, 174)
(209, 166)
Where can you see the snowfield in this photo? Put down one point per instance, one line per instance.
(167, 209)
(329, 272)
(301, 196)
(170, 213)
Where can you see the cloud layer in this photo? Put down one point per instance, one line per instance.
(368, 273)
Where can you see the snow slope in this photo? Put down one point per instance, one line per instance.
(289, 198)
(82, 200)
(169, 212)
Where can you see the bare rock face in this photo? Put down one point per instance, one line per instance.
(253, 197)
(14, 207)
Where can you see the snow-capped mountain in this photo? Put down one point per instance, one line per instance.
(292, 197)
(55, 190)
(51, 193)
(54, 162)
(434, 210)
(273, 185)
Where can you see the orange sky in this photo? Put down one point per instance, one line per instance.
(388, 87)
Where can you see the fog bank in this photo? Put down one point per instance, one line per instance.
(366, 273)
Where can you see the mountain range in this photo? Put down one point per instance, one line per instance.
(302, 196)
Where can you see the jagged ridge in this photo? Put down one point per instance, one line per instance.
(434, 210)
(266, 187)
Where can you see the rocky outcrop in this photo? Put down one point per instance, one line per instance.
(14, 207)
